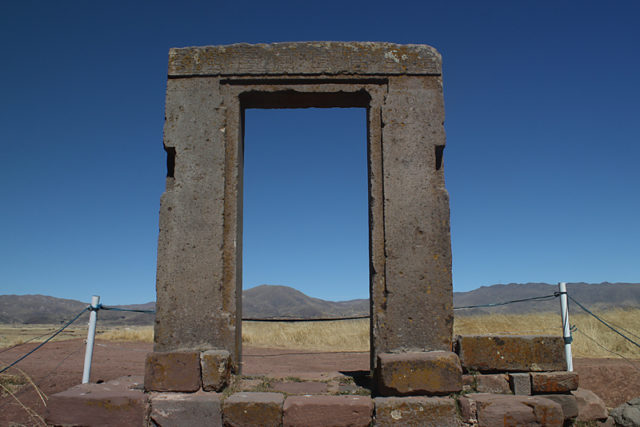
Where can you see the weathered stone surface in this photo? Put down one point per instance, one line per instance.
(520, 383)
(216, 369)
(627, 414)
(179, 409)
(253, 409)
(491, 383)
(590, 406)
(314, 58)
(507, 353)
(567, 402)
(193, 310)
(417, 241)
(416, 411)
(119, 402)
(419, 373)
(493, 410)
(553, 382)
(312, 411)
(172, 371)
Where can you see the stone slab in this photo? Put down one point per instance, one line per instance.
(590, 406)
(253, 409)
(491, 410)
(172, 371)
(553, 382)
(419, 373)
(216, 369)
(180, 409)
(508, 353)
(416, 411)
(567, 402)
(520, 383)
(312, 411)
(119, 402)
(306, 58)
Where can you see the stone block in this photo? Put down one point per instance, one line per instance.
(119, 402)
(495, 383)
(216, 369)
(508, 353)
(253, 409)
(520, 384)
(179, 409)
(312, 411)
(416, 411)
(553, 382)
(567, 402)
(419, 373)
(490, 410)
(172, 371)
(627, 414)
(590, 406)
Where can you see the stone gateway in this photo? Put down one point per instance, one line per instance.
(199, 283)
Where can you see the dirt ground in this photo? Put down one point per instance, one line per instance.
(58, 366)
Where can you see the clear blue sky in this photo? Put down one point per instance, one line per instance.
(542, 103)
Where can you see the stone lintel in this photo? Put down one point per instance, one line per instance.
(251, 408)
(510, 353)
(305, 58)
(172, 371)
(416, 411)
(418, 373)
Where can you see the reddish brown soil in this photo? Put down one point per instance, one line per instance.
(58, 366)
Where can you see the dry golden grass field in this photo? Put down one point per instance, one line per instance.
(591, 339)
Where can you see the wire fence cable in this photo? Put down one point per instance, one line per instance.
(45, 341)
(603, 322)
(496, 304)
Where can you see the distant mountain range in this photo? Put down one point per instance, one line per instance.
(282, 301)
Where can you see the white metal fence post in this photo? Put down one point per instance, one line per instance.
(88, 354)
(566, 327)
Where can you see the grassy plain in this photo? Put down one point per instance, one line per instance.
(591, 338)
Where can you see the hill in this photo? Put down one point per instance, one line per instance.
(601, 296)
(283, 301)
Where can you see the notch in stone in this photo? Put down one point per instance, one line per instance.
(439, 149)
(171, 161)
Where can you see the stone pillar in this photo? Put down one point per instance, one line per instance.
(194, 310)
(413, 308)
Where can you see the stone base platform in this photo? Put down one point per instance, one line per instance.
(322, 399)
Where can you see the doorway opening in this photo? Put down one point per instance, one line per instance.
(305, 235)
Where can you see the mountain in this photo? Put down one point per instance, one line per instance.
(42, 309)
(283, 301)
(601, 296)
